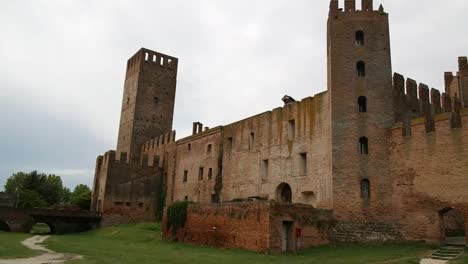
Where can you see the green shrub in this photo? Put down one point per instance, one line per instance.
(177, 215)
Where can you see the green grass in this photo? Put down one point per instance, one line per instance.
(11, 247)
(142, 244)
(40, 229)
(463, 259)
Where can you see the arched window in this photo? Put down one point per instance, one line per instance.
(284, 193)
(359, 38)
(365, 189)
(361, 69)
(362, 102)
(363, 146)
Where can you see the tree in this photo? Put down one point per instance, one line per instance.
(37, 189)
(81, 197)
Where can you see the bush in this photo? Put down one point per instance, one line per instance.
(176, 216)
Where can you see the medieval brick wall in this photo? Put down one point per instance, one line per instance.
(287, 145)
(125, 192)
(430, 174)
(255, 226)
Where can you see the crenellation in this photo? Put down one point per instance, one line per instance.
(463, 64)
(446, 102)
(448, 78)
(435, 100)
(367, 5)
(412, 97)
(350, 5)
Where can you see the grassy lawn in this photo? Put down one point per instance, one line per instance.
(11, 247)
(142, 244)
(463, 259)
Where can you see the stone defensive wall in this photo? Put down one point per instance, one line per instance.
(252, 157)
(128, 192)
(261, 226)
(428, 159)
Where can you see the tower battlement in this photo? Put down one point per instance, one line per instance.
(367, 7)
(149, 56)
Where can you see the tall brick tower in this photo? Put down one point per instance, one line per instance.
(148, 100)
(360, 87)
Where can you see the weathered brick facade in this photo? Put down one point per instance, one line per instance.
(255, 226)
(385, 154)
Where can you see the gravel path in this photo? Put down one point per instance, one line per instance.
(432, 261)
(48, 257)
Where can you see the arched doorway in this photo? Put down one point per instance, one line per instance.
(453, 226)
(4, 227)
(284, 193)
(41, 229)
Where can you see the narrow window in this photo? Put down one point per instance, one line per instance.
(363, 146)
(229, 144)
(264, 170)
(189, 146)
(359, 38)
(146, 56)
(361, 69)
(128, 100)
(208, 148)
(291, 129)
(214, 198)
(186, 198)
(156, 100)
(200, 173)
(362, 102)
(185, 176)
(365, 189)
(251, 140)
(210, 173)
(303, 164)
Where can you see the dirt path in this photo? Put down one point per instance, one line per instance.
(433, 261)
(48, 257)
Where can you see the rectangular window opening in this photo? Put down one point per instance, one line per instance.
(185, 176)
(264, 170)
(189, 146)
(200, 173)
(208, 148)
(303, 164)
(291, 129)
(229, 144)
(210, 173)
(251, 140)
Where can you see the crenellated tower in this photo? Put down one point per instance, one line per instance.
(360, 87)
(457, 85)
(148, 101)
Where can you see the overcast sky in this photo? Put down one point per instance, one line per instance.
(62, 65)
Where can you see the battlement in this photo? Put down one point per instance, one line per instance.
(152, 57)
(367, 6)
(161, 140)
(412, 100)
(109, 159)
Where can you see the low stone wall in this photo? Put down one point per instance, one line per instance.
(258, 226)
(361, 231)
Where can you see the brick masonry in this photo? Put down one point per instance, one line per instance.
(255, 226)
(414, 162)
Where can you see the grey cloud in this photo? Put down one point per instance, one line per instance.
(63, 65)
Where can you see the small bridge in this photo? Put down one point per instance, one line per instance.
(59, 221)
